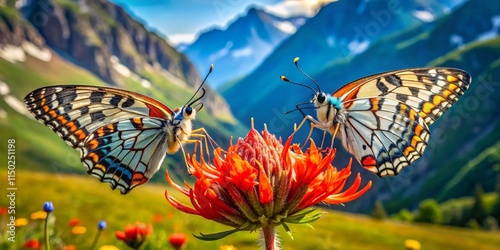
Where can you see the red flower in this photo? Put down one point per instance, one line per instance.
(3, 210)
(32, 244)
(177, 240)
(259, 182)
(135, 235)
(74, 222)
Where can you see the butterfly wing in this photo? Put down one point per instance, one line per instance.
(120, 134)
(126, 153)
(73, 112)
(387, 114)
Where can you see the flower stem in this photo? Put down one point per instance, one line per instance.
(269, 234)
(96, 238)
(46, 233)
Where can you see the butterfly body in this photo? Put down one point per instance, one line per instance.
(122, 136)
(383, 119)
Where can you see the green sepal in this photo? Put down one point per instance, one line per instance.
(304, 216)
(287, 229)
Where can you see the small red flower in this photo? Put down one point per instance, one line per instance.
(32, 244)
(135, 235)
(177, 240)
(259, 183)
(74, 222)
(3, 210)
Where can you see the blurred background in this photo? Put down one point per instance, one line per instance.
(164, 48)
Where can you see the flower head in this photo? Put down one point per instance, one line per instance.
(3, 210)
(177, 240)
(48, 207)
(135, 235)
(38, 215)
(21, 222)
(102, 225)
(78, 230)
(73, 222)
(260, 182)
(412, 244)
(32, 244)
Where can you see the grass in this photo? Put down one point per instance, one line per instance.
(85, 198)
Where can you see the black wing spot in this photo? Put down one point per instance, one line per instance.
(97, 116)
(394, 80)
(96, 97)
(402, 97)
(129, 102)
(414, 91)
(115, 100)
(381, 86)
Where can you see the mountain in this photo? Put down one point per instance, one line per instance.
(91, 42)
(340, 31)
(239, 48)
(462, 147)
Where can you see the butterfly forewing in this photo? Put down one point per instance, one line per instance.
(429, 91)
(387, 114)
(120, 134)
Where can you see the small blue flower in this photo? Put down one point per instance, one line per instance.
(48, 207)
(102, 225)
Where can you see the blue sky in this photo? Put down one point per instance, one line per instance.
(182, 20)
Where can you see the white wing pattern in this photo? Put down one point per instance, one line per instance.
(121, 135)
(387, 115)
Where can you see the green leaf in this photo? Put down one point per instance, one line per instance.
(216, 236)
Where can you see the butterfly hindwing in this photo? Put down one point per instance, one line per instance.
(384, 135)
(126, 153)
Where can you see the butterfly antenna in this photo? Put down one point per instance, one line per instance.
(296, 62)
(199, 98)
(200, 87)
(283, 78)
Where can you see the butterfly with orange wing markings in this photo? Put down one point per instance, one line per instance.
(383, 119)
(122, 136)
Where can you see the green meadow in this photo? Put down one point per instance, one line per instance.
(85, 198)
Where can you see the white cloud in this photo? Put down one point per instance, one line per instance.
(181, 38)
(290, 8)
(242, 52)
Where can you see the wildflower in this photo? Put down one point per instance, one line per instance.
(48, 207)
(101, 225)
(412, 244)
(74, 222)
(227, 247)
(157, 218)
(78, 230)
(260, 183)
(21, 222)
(39, 215)
(3, 210)
(32, 244)
(108, 247)
(70, 247)
(177, 240)
(135, 235)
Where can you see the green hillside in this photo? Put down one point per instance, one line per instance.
(74, 196)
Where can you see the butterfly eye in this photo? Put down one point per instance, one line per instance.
(188, 111)
(321, 97)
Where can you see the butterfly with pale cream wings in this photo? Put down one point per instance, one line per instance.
(122, 136)
(383, 119)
